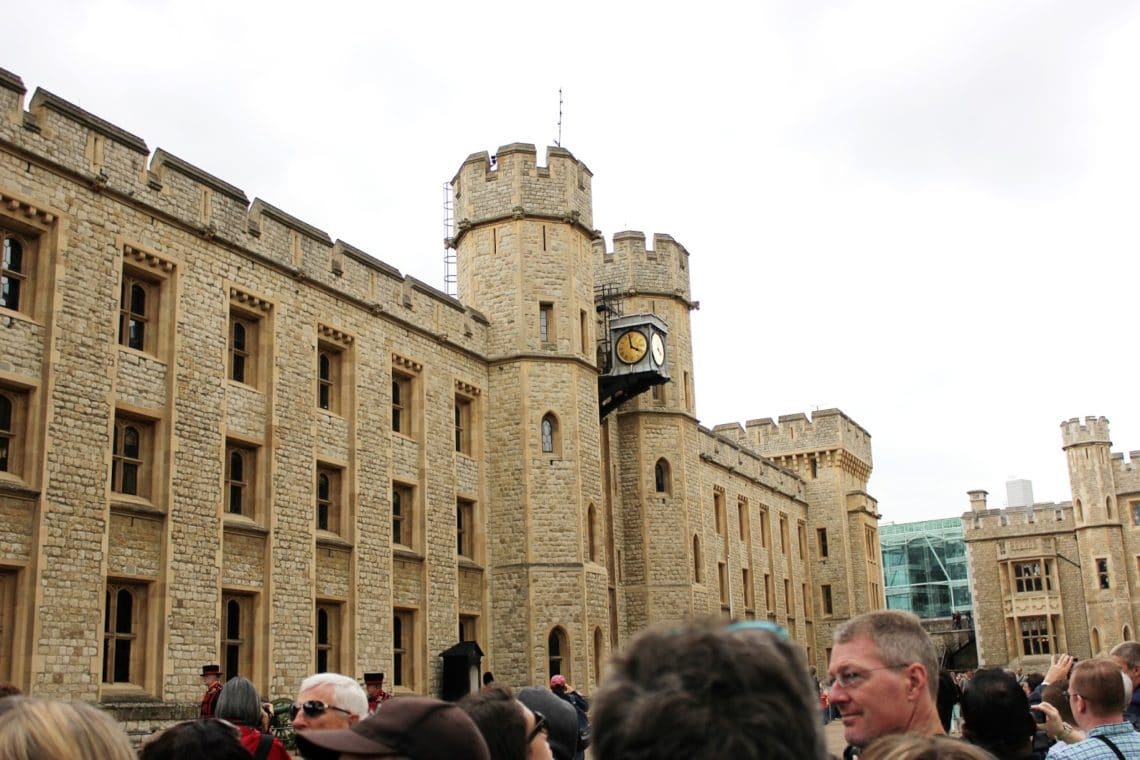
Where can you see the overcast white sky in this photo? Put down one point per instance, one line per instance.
(922, 213)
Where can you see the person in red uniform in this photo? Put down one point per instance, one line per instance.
(210, 675)
(374, 685)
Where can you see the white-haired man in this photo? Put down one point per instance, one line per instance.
(328, 700)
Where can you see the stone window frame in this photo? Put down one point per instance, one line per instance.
(154, 275)
(1134, 508)
(550, 437)
(809, 612)
(37, 229)
(18, 277)
(722, 584)
(547, 334)
(1033, 635)
(821, 542)
(249, 484)
(334, 371)
(765, 526)
(1103, 567)
(749, 591)
(143, 464)
(14, 432)
(662, 476)
(138, 661)
(697, 559)
(465, 527)
(11, 589)
(405, 515)
(253, 313)
(328, 636)
(406, 405)
(592, 547)
(1031, 575)
(827, 603)
(329, 501)
(466, 411)
(238, 642)
(743, 519)
(558, 653)
(468, 629)
(599, 654)
(404, 659)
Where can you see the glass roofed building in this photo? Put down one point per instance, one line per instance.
(925, 568)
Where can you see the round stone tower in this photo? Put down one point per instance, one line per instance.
(524, 251)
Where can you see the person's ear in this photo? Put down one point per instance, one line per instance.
(915, 680)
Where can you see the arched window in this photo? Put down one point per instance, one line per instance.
(1127, 634)
(323, 503)
(1079, 510)
(591, 532)
(661, 476)
(1109, 508)
(326, 381)
(233, 639)
(599, 654)
(235, 478)
(696, 559)
(558, 654)
(126, 458)
(549, 431)
(13, 273)
(118, 635)
(133, 313)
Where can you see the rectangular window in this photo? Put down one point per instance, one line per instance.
(769, 593)
(463, 424)
(765, 527)
(329, 498)
(749, 596)
(8, 605)
(1102, 572)
(241, 479)
(584, 332)
(401, 403)
(403, 512)
(13, 427)
(825, 599)
(328, 637)
(1027, 576)
(132, 456)
(1035, 638)
(464, 527)
(788, 599)
(1135, 507)
(801, 534)
(403, 648)
(468, 627)
(16, 265)
(742, 518)
(807, 602)
(821, 541)
(869, 539)
(546, 322)
(237, 634)
(722, 577)
(124, 639)
(785, 545)
(719, 516)
(329, 370)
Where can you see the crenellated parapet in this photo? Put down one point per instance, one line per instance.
(511, 184)
(662, 270)
(795, 436)
(730, 452)
(107, 160)
(1010, 522)
(1092, 430)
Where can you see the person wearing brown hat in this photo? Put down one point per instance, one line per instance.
(210, 676)
(419, 728)
(374, 685)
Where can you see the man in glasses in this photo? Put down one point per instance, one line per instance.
(328, 700)
(884, 674)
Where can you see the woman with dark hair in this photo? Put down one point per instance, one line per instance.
(196, 740)
(511, 730)
(239, 704)
(996, 717)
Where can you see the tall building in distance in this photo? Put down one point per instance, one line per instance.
(226, 436)
(1049, 578)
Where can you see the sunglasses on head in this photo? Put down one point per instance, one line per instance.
(314, 708)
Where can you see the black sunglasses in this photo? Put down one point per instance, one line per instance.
(314, 708)
(540, 726)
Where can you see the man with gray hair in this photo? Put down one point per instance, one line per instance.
(884, 675)
(1127, 656)
(328, 700)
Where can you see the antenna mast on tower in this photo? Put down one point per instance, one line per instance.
(558, 141)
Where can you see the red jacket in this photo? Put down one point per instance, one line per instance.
(250, 737)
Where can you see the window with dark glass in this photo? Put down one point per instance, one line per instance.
(14, 268)
(1102, 572)
(402, 659)
(237, 635)
(121, 654)
(129, 457)
(402, 515)
(463, 425)
(556, 647)
(328, 634)
(661, 476)
(7, 431)
(464, 525)
(328, 499)
(821, 540)
(243, 347)
(401, 403)
(134, 312)
(549, 434)
(328, 379)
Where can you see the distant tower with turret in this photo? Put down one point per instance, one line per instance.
(1099, 530)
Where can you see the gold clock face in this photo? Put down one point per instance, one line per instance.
(631, 346)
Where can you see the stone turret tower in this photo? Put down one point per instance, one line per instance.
(1099, 530)
(654, 436)
(524, 246)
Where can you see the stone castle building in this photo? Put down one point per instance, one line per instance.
(225, 436)
(1051, 578)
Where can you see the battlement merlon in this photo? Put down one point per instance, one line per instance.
(828, 429)
(662, 270)
(513, 186)
(1094, 430)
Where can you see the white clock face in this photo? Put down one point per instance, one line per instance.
(657, 347)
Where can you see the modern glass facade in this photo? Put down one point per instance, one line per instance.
(925, 568)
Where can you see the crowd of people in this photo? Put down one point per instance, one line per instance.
(705, 689)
